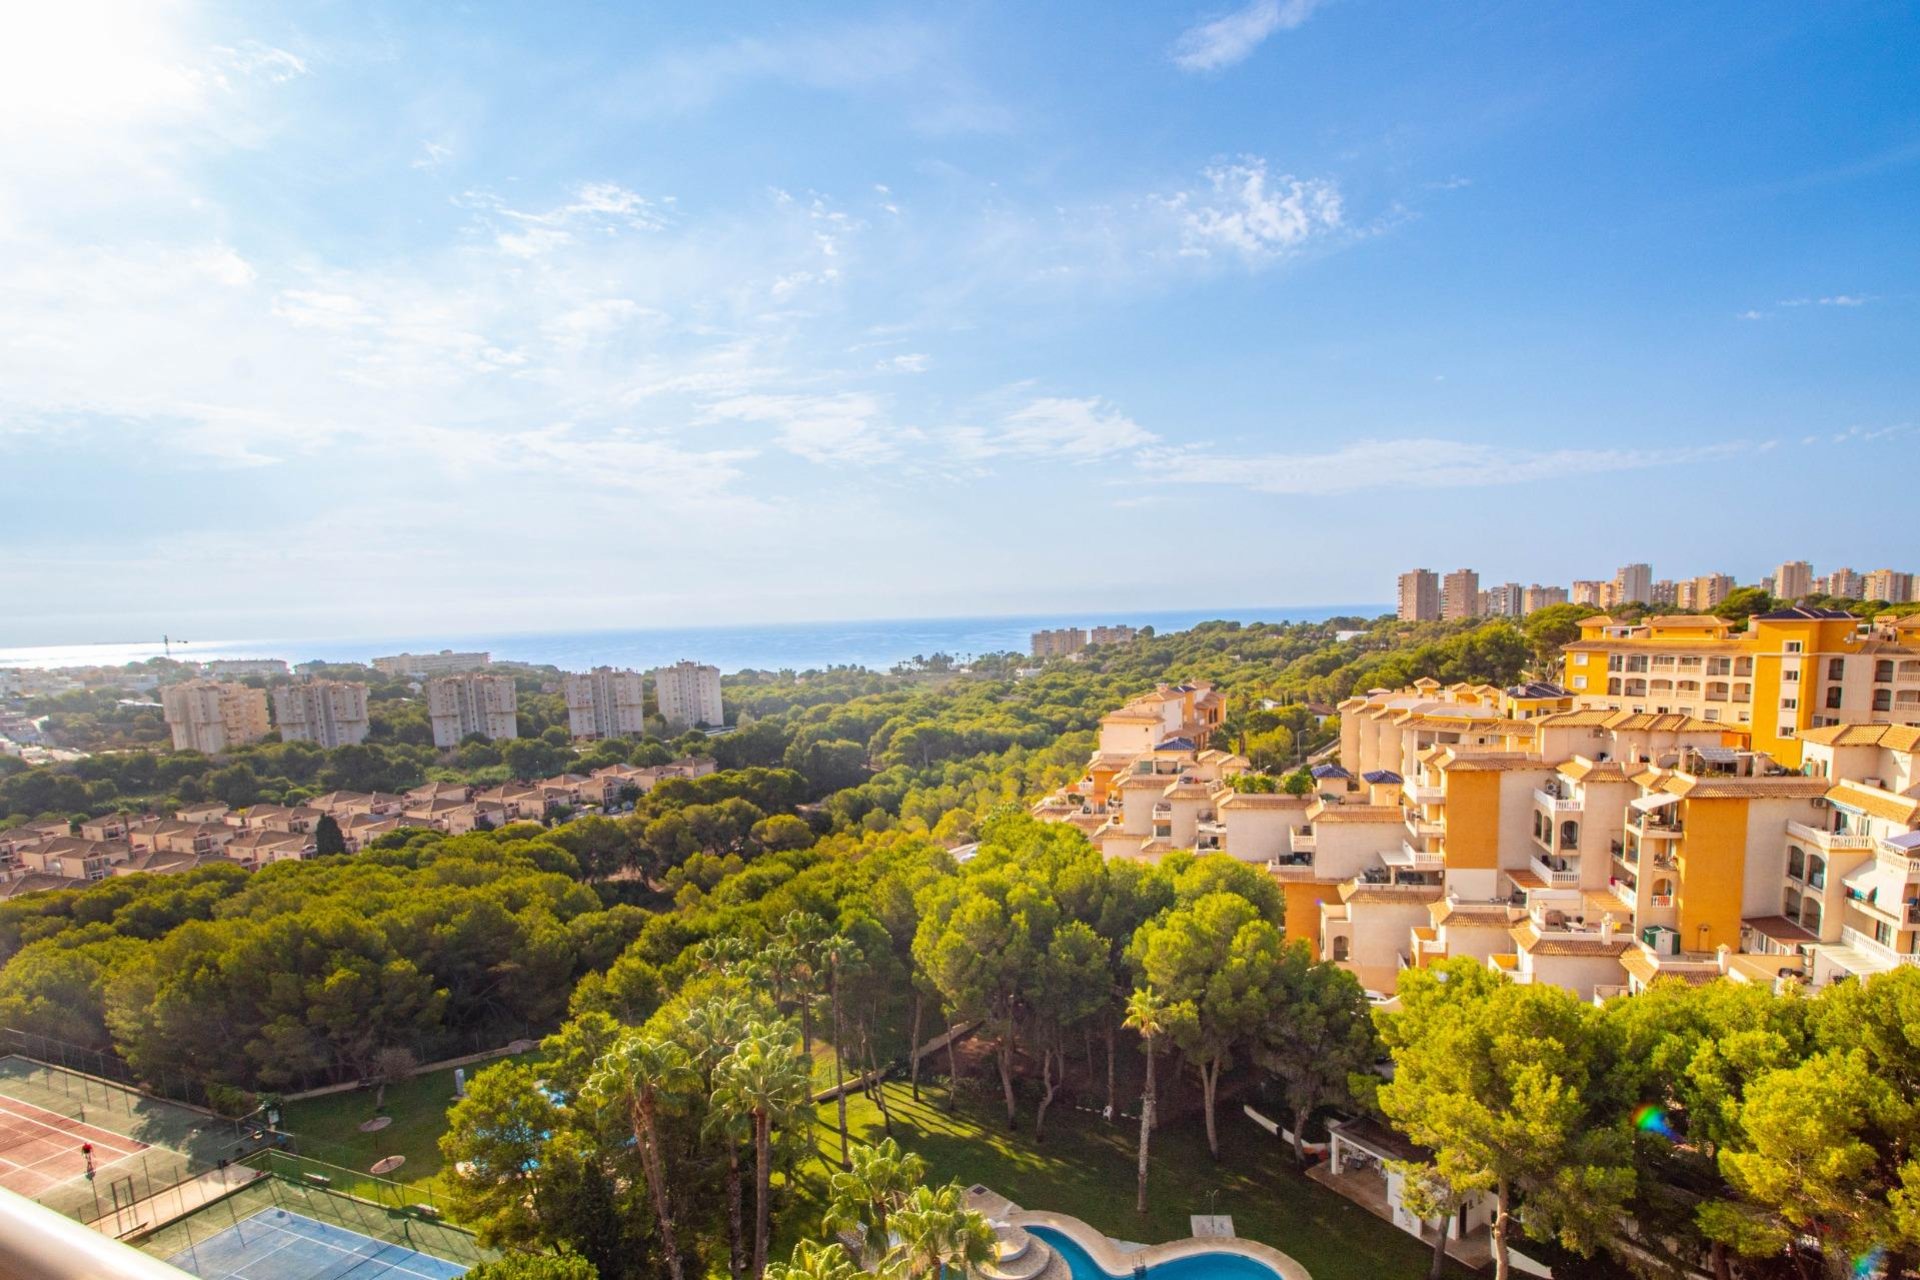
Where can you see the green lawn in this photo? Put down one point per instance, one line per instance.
(1086, 1168)
(327, 1129)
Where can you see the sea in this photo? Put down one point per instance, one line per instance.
(876, 644)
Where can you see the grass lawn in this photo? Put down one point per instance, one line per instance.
(1086, 1168)
(327, 1128)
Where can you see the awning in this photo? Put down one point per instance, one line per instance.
(1647, 804)
(1882, 886)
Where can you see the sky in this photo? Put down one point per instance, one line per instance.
(342, 318)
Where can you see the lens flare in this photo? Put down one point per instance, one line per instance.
(1869, 1263)
(1652, 1118)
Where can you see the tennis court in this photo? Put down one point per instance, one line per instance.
(40, 1149)
(275, 1244)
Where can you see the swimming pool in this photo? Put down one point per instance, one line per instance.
(1211, 1264)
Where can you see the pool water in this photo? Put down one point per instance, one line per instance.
(1212, 1265)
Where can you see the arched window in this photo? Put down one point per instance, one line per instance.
(1791, 907)
(1883, 671)
(1810, 915)
(1341, 947)
(1569, 835)
(1663, 892)
(1539, 823)
(1816, 871)
(1796, 862)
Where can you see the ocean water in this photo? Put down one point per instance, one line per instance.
(877, 644)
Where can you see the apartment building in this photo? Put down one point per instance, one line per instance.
(210, 716)
(1702, 594)
(1842, 582)
(462, 705)
(1419, 596)
(606, 703)
(1788, 671)
(331, 713)
(418, 666)
(1058, 642)
(1592, 591)
(1793, 579)
(1460, 595)
(1890, 585)
(1118, 634)
(1540, 597)
(236, 668)
(689, 694)
(1507, 600)
(1632, 583)
(1155, 744)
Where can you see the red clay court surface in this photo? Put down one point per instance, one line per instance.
(40, 1149)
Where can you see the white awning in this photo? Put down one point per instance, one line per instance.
(1647, 804)
(1883, 886)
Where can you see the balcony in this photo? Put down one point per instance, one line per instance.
(1559, 878)
(1557, 803)
(1626, 892)
(1420, 828)
(1292, 866)
(1300, 840)
(1420, 793)
(1655, 826)
(1852, 937)
(1829, 840)
(1406, 857)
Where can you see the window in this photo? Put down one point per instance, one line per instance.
(1883, 672)
(1789, 704)
(1796, 863)
(1713, 713)
(1836, 668)
(1883, 933)
(1794, 646)
(1791, 674)
(1883, 699)
(1833, 697)
(1579, 682)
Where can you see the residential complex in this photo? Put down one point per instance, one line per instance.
(1576, 834)
(607, 703)
(1786, 672)
(1423, 597)
(234, 668)
(1061, 642)
(209, 716)
(332, 713)
(462, 705)
(689, 694)
(51, 855)
(420, 665)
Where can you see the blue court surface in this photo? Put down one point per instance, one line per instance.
(276, 1245)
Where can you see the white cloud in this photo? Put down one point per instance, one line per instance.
(1418, 463)
(910, 362)
(1254, 215)
(1081, 429)
(1228, 39)
(432, 155)
(847, 427)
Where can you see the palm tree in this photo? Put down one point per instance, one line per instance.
(837, 954)
(644, 1074)
(816, 1262)
(1147, 1014)
(765, 1080)
(876, 1185)
(937, 1229)
(712, 1030)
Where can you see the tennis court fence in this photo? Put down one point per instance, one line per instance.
(288, 1185)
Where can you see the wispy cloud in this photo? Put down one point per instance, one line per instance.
(1789, 304)
(1228, 39)
(850, 427)
(1085, 429)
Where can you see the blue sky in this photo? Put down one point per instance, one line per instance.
(342, 318)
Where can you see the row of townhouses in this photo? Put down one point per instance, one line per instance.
(1758, 820)
(54, 855)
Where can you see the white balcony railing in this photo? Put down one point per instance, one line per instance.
(1301, 840)
(1866, 942)
(1828, 839)
(1557, 803)
(1554, 876)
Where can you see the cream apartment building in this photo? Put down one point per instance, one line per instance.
(689, 694)
(331, 713)
(606, 703)
(461, 705)
(210, 716)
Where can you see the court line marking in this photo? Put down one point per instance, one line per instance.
(392, 1267)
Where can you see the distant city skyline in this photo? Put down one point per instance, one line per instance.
(366, 319)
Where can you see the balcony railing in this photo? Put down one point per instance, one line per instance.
(1556, 877)
(1548, 799)
(1415, 859)
(1652, 826)
(1301, 840)
(1828, 839)
(1873, 946)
